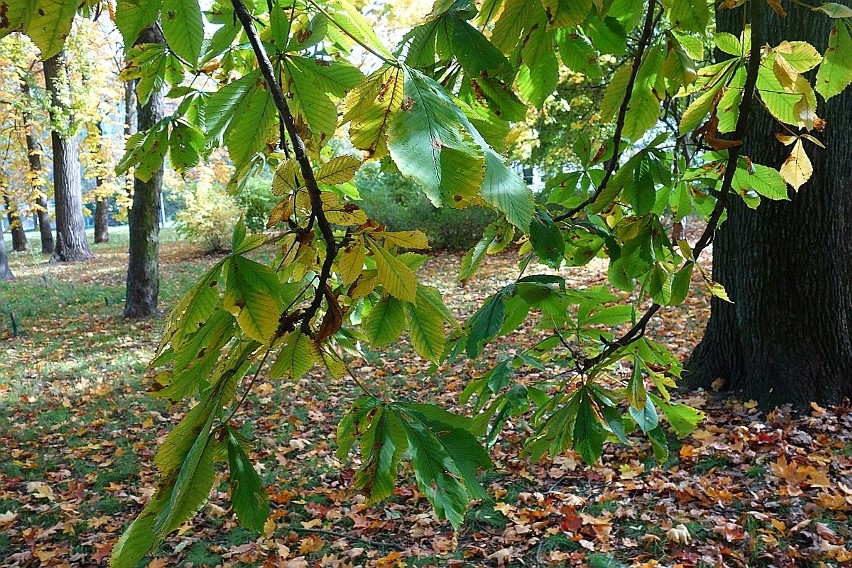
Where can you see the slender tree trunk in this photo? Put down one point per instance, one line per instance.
(143, 273)
(788, 265)
(5, 271)
(34, 157)
(101, 206)
(129, 122)
(101, 219)
(71, 243)
(16, 228)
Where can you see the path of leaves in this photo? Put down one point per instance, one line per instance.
(747, 489)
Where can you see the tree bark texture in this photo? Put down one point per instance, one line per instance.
(129, 119)
(101, 219)
(71, 243)
(34, 158)
(16, 228)
(143, 273)
(787, 266)
(5, 271)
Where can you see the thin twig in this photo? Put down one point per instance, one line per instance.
(376, 543)
(301, 155)
(645, 39)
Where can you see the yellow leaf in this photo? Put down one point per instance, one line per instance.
(797, 168)
(351, 260)
(397, 278)
(407, 239)
(338, 170)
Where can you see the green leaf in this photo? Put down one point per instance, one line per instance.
(350, 20)
(764, 180)
(689, 15)
(637, 396)
(589, 434)
(251, 295)
(436, 473)
(185, 145)
(835, 10)
(50, 24)
(385, 322)
(682, 418)
(429, 144)
(193, 310)
(397, 278)
(139, 537)
(484, 325)
(253, 127)
(474, 52)
(382, 446)
(250, 500)
(538, 79)
(646, 417)
(698, 108)
(728, 43)
(426, 329)
(297, 356)
(227, 103)
(183, 28)
(546, 239)
(835, 72)
(133, 16)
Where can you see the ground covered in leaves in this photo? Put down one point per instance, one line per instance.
(78, 434)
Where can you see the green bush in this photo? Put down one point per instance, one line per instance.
(256, 201)
(208, 216)
(400, 204)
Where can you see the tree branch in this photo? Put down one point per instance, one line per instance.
(740, 133)
(644, 40)
(300, 154)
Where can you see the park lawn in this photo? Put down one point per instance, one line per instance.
(78, 433)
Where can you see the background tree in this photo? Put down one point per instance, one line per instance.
(143, 280)
(71, 243)
(5, 271)
(787, 266)
(36, 175)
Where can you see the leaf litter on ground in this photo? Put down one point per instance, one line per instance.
(79, 432)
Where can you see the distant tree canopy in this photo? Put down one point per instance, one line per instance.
(272, 82)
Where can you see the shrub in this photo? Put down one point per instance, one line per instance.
(208, 216)
(256, 201)
(400, 204)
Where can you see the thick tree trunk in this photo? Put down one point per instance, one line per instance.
(71, 243)
(16, 228)
(143, 273)
(788, 265)
(5, 271)
(34, 157)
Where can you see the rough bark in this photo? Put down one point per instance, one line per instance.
(143, 277)
(101, 219)
(71, 243)
(34, 158)
(5, 271)
(19, 237)
(788, 265)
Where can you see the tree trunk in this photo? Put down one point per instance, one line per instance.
(788, 265)
(34, 157)
(71, 243)
(101, 205)
(5, 271)
(16, 228)
(129, 121)
(101, 219)
(143, 274)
